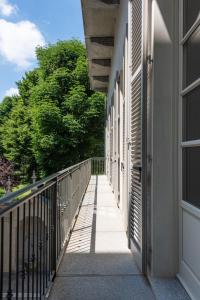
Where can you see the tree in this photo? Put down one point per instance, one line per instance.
(17, 139)
(57, 120)
(6, 107)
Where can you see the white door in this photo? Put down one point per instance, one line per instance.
(190, 146)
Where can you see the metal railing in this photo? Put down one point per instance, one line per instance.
(35, 225)
(98, 166)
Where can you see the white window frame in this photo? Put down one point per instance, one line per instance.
(183, 91)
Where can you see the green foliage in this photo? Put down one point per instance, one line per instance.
(17, 139)
(2, 192)
(57, 120)
(16, 188)
(30, 80)
(5, 109)
(62, 55)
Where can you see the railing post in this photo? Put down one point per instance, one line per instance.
(90, 170)
(54, 227)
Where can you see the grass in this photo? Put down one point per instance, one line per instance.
(2, 192)
(20, 186)
(16, 188)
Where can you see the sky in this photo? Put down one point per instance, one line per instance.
(25, 24)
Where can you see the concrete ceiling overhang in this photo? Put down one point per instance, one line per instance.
(99, 17)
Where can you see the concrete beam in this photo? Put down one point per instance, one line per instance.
(98, 51)
(101, 78)
(105, 62)
(103, 40)
(110, 1)
(99, 18)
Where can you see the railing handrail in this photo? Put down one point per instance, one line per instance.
(33, 188)
(7, 199)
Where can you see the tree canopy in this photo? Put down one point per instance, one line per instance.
(56, 120)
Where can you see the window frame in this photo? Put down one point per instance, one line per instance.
(184, 91)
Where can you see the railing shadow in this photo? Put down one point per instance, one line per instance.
(83, 237)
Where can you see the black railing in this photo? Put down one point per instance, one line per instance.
(35, 225)
(98, 166)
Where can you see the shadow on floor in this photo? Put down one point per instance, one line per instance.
(97, 264)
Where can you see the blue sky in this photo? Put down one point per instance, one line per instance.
(26, 23)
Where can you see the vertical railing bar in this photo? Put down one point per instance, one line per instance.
(2, 258)
(44, 242)
(54, 220)
(37, 246)
(41, 243)
(92, 166)
(33, 251)
(29, 232)
(60, 215)
(9, 294)
(57, 219)
(17, 256)
(50, 232)
(23, 249)
(47, 239)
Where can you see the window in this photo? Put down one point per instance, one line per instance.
(191, 175)
(191, 105)
(191, 13)
(192, 58)
(191, 115)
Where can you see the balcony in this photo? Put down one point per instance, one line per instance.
(63, 238)
(97, 263)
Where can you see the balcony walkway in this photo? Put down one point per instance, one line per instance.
(97, 264)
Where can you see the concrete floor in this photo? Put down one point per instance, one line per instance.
(98, 264)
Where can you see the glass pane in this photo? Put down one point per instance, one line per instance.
(191, 115)
(191, 13)
(191, 176)
(192, 58)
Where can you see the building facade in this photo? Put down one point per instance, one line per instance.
(144, 54)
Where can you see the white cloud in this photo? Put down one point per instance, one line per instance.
(7, 9)
(18, 42)
(12, 91)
